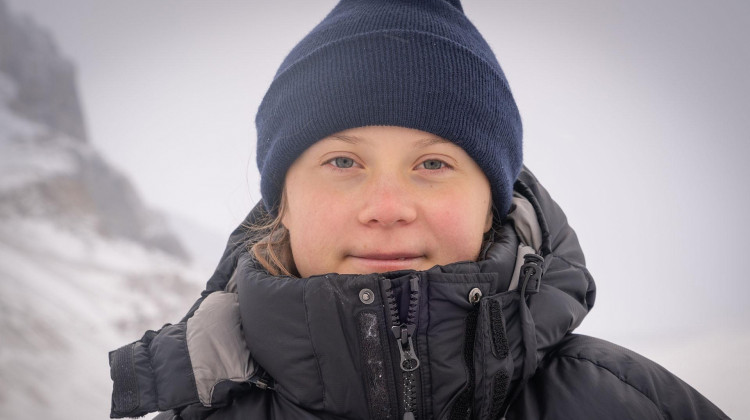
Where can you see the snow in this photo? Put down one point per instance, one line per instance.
(68, 294)
(28, 154)
(65, 302)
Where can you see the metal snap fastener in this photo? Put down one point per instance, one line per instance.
(474, 295)
(366, 296)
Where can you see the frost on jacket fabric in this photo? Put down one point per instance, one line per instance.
(470, 340)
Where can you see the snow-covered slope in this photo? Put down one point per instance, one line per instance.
(85, 265)
(66, 299)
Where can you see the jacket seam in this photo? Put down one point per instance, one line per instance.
(151, 366)
(658, 409)
(312, 343)
(191, 372)
(581, 268)
(572, 264)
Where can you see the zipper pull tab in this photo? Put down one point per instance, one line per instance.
(403, 333)
(408, 415)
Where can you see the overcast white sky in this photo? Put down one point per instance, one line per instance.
(635, 118)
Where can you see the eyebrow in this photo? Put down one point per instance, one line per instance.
(429, 141)
(422, 143)
(344, 138)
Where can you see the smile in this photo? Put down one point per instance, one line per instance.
(381, 262)
(400, 256)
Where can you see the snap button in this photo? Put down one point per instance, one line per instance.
(474, 295)
(366, 296)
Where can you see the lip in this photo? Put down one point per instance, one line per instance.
(387, 261)
(389, 256)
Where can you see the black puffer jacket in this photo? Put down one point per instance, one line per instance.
(471, 340)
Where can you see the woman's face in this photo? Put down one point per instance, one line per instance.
(382, 198)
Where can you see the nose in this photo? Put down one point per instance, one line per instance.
(387, 202)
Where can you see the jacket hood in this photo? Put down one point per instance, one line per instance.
(325, 339)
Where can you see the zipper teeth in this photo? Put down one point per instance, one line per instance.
(409, 377)
(413, 300)
(392, 306)
(410, 394)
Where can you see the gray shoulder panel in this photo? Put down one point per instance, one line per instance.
(216, 345)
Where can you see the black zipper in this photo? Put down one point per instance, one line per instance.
(403, 332)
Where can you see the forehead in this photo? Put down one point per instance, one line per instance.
(377, 135)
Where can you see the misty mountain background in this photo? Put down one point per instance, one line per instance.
(634, 119)
(85, 265)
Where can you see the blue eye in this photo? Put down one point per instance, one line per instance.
(433, 164)
(342, 162)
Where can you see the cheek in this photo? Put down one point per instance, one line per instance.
(317, 225)
(459, 228)
(314, 223)
(459, 231)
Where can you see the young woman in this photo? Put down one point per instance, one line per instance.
(403, 263)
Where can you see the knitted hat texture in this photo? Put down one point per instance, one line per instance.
(412, 63)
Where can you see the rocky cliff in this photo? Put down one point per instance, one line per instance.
(48, 167)
(47, 92)
(85, 265)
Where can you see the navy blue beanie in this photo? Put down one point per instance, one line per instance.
(412, 63)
